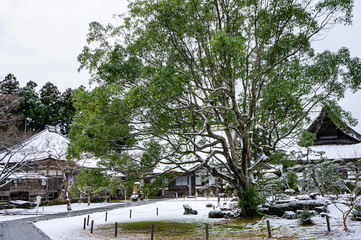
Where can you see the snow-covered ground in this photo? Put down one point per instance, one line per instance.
(18, 213)
(292, 229)
(172, 210)
(72, 228)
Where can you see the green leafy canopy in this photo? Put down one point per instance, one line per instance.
(218, 84)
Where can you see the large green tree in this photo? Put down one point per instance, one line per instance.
(218, 84)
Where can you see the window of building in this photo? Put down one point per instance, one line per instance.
(43, 182)
(181, 181)
(198, 181)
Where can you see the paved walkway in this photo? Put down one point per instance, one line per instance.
(17, 230)
(24, 229)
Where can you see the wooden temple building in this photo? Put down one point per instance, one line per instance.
(44, 168)
(335, 140)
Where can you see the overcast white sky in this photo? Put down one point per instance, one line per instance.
(40, 40)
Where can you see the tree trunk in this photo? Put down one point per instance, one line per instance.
(344, 218)
(66, 191)
(313, 175)
(68, 202)
(247, 197)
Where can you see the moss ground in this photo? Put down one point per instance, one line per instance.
(164, 230)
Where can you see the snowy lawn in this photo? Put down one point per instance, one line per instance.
(172, 211)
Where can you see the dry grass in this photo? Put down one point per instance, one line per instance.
(170, 230)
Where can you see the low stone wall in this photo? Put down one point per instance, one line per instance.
(279, 209)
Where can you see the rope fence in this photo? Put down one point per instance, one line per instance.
(152, 231)
(157, 211)
(89, 221)
(201, 233)
(97, 220)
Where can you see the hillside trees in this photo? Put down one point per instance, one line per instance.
(10, 134)
(48, 107)
(9, 106)
(214, 84)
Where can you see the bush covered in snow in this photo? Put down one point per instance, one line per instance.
(356, 214)
(306, 217)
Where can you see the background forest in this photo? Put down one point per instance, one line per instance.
(24, 110)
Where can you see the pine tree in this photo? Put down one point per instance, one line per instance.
(50, 97)
(66, 110)
(9, 85)
(31, 109)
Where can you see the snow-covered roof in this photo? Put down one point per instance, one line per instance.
(330, 152)
(351, 151)
(48, 143)
(88, 162)
(343, 127)
(45, 144)
(163, 168)
(312, 116)
(21, 175)
(115, 174)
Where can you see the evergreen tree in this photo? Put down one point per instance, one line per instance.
(9, 102)
(31, 85)
(32, 109)
(49, 94)
(66, 110)
(50, 98)
(9, 85)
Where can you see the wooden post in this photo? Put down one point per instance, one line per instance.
(91, 227)
(130, 213)
(189, 185)
(87, 222)
(152, 233)
(163, 188)
(269, 229)
(116, 229)
(106, 216)
(207, 231)
(328, 223)
(157, 211)
(84, 223)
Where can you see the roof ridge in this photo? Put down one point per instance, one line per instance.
(343, 126)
